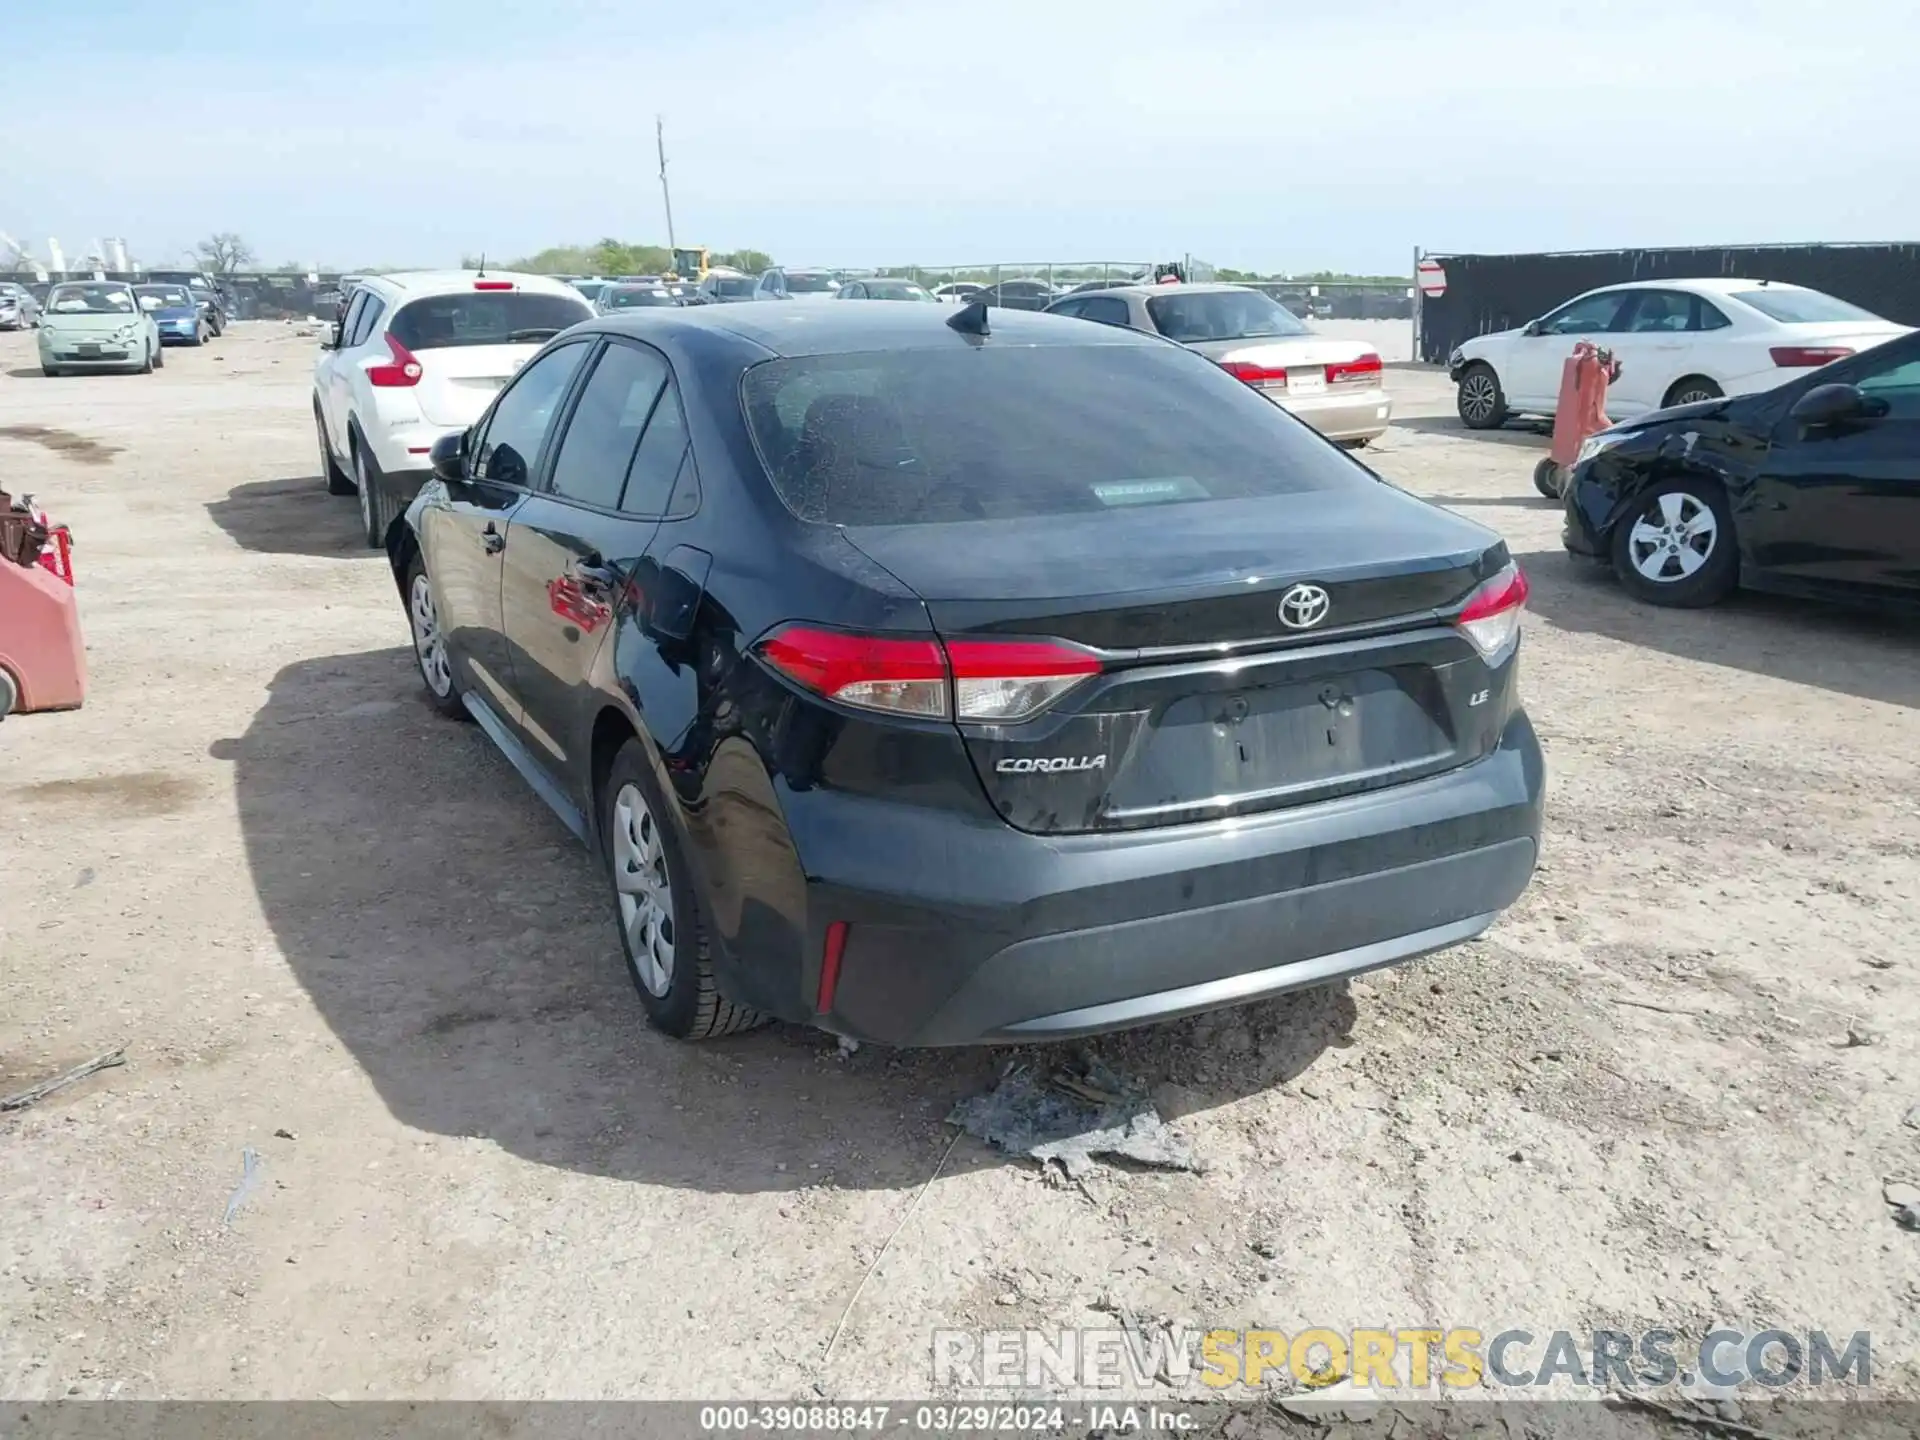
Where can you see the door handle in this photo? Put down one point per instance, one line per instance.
(491, 540)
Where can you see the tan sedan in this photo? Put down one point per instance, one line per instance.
(1333, 385)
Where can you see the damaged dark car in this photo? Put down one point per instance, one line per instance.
(943, 676)
(1810, 489)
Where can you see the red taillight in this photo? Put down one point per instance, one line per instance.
(493, 285)
(902, 677)
(985, 680)
(1801, 357)
(1491, 616)
(405, 369)
(1364, 371)
(1254, 374)
(835, 947)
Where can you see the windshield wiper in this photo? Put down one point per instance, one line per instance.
(537, 333)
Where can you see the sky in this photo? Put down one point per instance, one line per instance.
(1274, 137)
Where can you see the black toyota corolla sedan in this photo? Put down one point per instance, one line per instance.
(1812, 489)
(939, 676)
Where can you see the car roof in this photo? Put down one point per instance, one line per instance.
(410, 284)
(859, 326)
(1701, 285)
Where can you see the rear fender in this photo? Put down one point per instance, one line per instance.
(721, 801)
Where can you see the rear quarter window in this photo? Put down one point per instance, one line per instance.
(947, 436)
(485, 317)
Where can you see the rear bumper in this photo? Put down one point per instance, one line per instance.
(1359, 416)
(965, 933)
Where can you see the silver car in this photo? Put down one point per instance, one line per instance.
(1333, 385)
(18, 309)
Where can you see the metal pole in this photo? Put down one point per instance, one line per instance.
(660, 141)
(1417, 299)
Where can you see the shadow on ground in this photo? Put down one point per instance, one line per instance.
(292, 517)
(1517, 432)
(460, 944)
(1806, 642)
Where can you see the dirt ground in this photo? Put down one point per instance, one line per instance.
(333, 929)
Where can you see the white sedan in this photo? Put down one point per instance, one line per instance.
(1677, 341)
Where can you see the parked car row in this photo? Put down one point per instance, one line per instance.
(935, 675)
(1768, 437)
(96, 325)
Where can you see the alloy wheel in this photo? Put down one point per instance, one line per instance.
(1694, 396)
(646, 894)
(429, 642)
(1674, 544)
(1476, 396)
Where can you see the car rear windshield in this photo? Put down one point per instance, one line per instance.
(1222, 315)
(895, 290)
(485, 317)
(1802, 307)
(165, 294)
(798, 284)
(944, 436)
(627, 297)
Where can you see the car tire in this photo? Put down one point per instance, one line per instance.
(430, 643)
(1676, 546)
(373, 503)
(338, 481)
(146, 365)
(9, 693)
(1478, 398)
(1548, 480)
(200, 334)
(160, 357)
(1691, 390)
(662, 934)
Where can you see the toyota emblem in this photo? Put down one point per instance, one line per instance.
(1303, 607)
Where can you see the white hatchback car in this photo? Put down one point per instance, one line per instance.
(1677, 341)
(417, 356)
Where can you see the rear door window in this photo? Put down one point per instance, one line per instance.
(1107, 309)
(370, 314)
(485, 317)
(594, 454)
(657, 463)
(939, 436)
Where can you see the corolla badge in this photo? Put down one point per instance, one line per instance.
(1050, 764)
(1303, 607)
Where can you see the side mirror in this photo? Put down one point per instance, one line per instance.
(1832, 405)
(449, 457)
(1535, 328)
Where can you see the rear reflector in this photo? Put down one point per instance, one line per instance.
(835, 947)
(404, 371)
(1491, 616)
(997, 681)
(493, 285)
(1800, 357)
(1254, 374)
(1364, 371)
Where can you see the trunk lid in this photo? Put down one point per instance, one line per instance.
(1209, 705)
